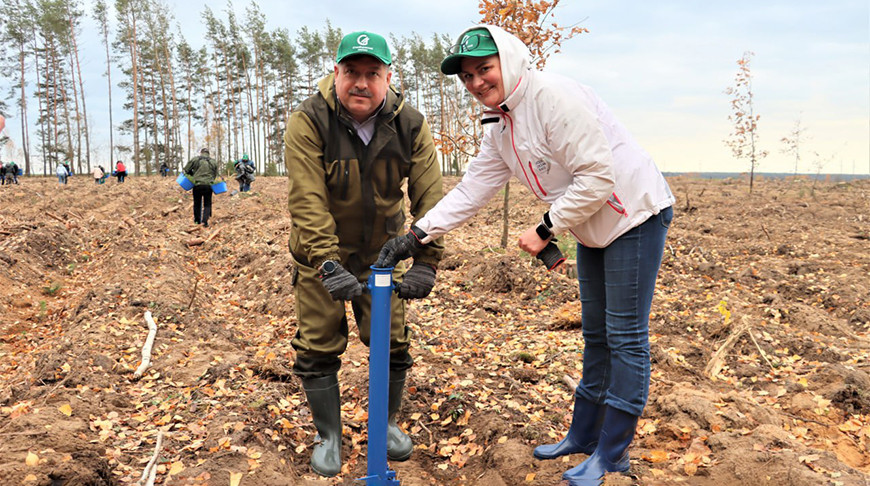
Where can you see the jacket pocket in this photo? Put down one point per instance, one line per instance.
(395, 223)
(336, 179)
(344, 178)
(294, 245)
(616, 204)
(341, 178)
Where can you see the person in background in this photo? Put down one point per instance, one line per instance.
(202, 172)
(120, 171)
(2, 174)
(164, 169)
(12, 168)
(349, 149)
(559, 139)
(62, 173)
(69, 171)
(98, 175)
(244, 173)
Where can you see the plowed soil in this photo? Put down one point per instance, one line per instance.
(778, 280)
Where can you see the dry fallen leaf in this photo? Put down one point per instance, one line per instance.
(32, 459)
(176, 468)
(235, 478)
(65, 409)
(655, 456)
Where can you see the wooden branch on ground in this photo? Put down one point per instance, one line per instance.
(569, 382)
(766, 233)
(714, 366)
(171, 210)
(763, 354)
(54, 216)
(211, 236)
(146, 350)
(193, 294)
(150, 472)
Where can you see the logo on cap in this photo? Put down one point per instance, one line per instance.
(466, 45)
(363, 40)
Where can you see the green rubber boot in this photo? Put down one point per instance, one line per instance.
(399, 445)
(325, 404)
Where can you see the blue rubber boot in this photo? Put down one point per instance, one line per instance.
(325, 403)
(399, 445)
(582, 435)
(611, 455)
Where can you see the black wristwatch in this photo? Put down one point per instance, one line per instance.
(327, 268)
(544, 227)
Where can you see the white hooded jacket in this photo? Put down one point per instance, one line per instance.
(560, 140)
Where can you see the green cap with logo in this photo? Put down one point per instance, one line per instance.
(476, 42)
(366, 43)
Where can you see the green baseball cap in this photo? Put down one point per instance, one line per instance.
(473, 43)
(366, 43)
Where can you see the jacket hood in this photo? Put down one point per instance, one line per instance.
(515, 59)
(326, 87)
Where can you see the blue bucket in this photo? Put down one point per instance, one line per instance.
(184, 182)
(20, 171)
(219, 187)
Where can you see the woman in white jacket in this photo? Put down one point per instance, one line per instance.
(560, 140)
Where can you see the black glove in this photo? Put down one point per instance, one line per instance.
(551, 256)
(418, 282)
(400, 248)
(341, 284)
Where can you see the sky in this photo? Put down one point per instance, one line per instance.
(661, 66)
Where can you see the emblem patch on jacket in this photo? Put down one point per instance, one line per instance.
(542, 165)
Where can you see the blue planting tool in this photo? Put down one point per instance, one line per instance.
(380, 285)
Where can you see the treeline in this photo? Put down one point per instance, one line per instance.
(232, 94)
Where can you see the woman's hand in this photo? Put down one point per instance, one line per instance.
(531, 243)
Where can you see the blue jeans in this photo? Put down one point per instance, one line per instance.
(616, 291)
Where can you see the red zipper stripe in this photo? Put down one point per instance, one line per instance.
(520, 161)
(536, 179)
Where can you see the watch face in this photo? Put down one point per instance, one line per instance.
(328, 267)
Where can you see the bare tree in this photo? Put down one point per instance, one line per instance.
(73, 17)
(101, 14)
(819, 162)
(129, 13)
(14, 32)
(743, 141)
(793, 143)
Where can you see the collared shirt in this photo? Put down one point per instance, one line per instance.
(366, 129)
